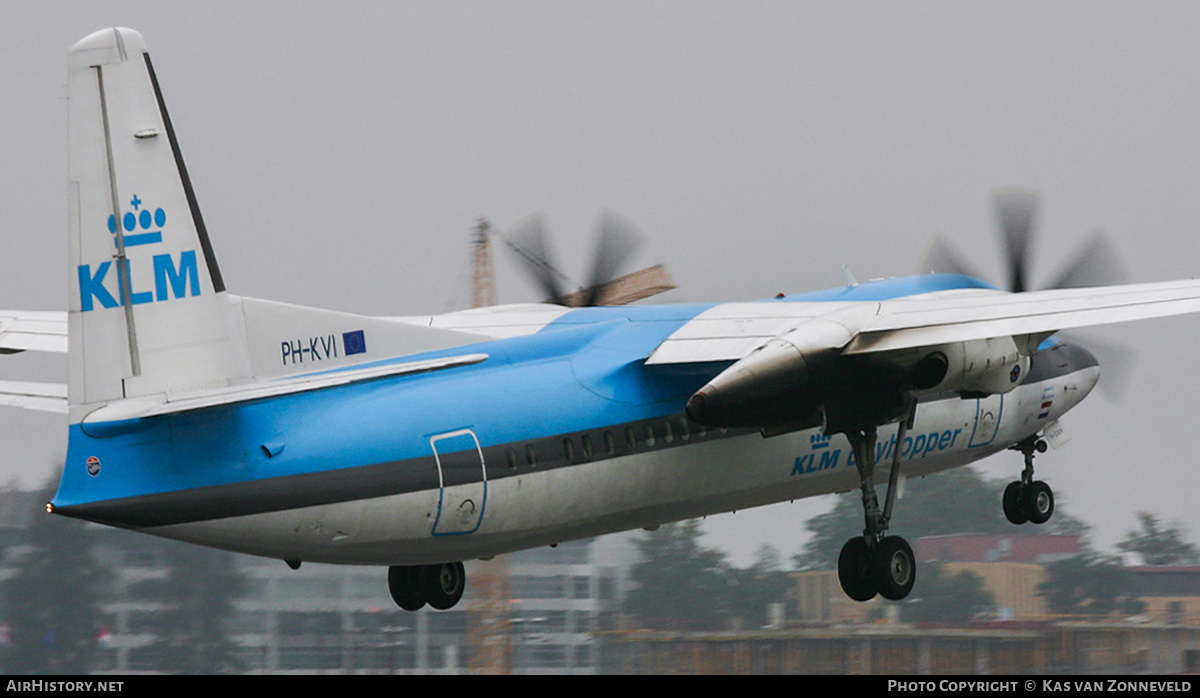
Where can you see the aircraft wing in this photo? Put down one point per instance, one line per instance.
(47, 397)
(733, 331)
(22, 330)
(917, 322)
(861, 361)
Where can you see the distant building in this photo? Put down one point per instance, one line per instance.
(1171, 594)
(1039, 550)
(1011, 568)
(816, 598)
(828, 633)
(340, 619)
(897, 649)
(553, 606)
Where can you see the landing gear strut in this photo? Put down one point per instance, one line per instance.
(1028, 500)
(876, 563)
(440, 586)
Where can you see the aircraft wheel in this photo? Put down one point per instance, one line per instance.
(407, 587)
(1037, 502)
(445, 584)
(854, 570)
(1014, 508)
(894, 567)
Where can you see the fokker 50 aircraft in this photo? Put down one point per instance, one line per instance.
(419, 442)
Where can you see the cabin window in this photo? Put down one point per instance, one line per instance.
(668, 433)
(511, 454)
(631, 438)
(684, 433)
(610, 444)
(650, 435)
(586, 440)
(569, 450)
(530, 455)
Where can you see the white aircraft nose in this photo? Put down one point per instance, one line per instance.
(1083, 371)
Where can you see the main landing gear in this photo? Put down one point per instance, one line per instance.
(440, 586)
(876, 563)
(1028, 499)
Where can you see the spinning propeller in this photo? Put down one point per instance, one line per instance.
(1095, 263)
(616, 241)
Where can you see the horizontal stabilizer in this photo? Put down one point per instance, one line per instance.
(152, 406)
(45, 397)
(32, 331)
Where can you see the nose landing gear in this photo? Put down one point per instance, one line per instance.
(1028, 500)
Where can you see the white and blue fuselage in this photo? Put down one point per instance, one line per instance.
(560, 433)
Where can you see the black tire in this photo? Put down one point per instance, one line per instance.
(407, 587)
(893, 567)
(445, 584)
(854, 570)
(1014, 508)
(1037, 502)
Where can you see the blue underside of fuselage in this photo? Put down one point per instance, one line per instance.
(583, 371)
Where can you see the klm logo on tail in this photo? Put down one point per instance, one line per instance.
(173, 278)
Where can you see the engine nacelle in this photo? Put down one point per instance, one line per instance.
(778, 383)
(801, 379)
(986, 366)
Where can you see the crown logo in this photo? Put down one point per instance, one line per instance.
(139, 218)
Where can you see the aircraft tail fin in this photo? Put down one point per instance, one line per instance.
(148, 310)
(149, 315)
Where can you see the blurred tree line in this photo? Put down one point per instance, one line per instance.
(683, 585)
(52, 605)
(61, 573)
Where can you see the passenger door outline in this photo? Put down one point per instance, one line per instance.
(462, 482)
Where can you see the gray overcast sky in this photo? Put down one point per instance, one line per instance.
(341, 153)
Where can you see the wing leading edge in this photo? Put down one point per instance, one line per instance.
(733, 331)
(917, 322)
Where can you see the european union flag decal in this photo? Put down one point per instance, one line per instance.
(354, 342)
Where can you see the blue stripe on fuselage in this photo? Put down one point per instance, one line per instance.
(583, 371)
